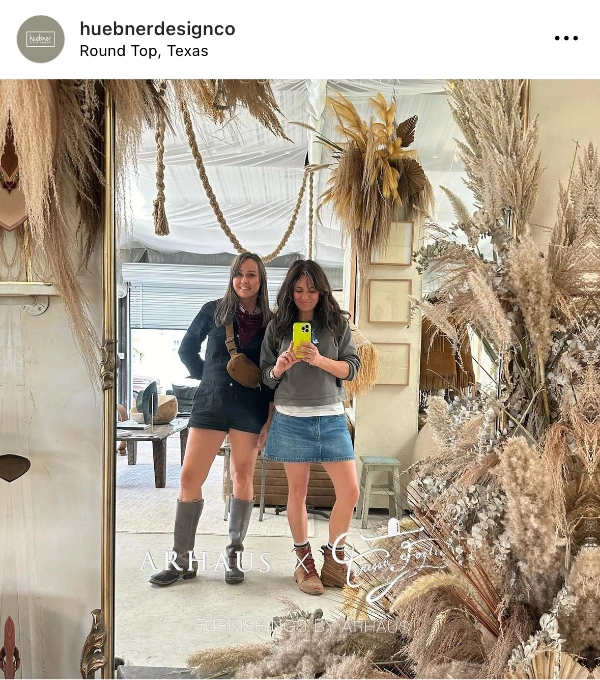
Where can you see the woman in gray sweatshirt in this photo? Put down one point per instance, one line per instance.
(309, 422)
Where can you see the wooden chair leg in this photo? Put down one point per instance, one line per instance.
(398, 494)
(391, 495)
(366, 500)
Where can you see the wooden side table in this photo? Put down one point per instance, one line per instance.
(158, 436)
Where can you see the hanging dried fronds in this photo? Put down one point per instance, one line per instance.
(374, 177)
(220, 100)
(79, 157)
(31, 107)
(59, 176)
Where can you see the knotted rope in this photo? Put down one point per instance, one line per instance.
(308, 170)
(161, 224)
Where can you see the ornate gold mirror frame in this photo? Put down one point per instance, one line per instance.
(107, 371)
(98, 650)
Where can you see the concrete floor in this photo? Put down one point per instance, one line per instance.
(163, 626)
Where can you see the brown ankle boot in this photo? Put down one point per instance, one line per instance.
(305, 573)
(333, 573)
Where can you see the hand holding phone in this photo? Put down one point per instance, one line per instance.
(301, 333)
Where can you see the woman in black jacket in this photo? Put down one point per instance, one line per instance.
(222, 405)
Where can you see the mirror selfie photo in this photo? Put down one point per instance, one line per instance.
(300, 378)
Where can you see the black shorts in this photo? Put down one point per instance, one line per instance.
(230, 407)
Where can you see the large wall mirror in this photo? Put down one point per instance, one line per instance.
(158, 283)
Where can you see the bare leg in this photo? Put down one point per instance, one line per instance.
(244, 452)
(345, 483)
(202, 447)
(297, 476)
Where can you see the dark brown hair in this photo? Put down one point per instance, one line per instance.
(228, 304)
(327, 311)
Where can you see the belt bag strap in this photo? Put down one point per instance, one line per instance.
(230, 340)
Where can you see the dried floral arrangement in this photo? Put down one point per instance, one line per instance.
(62, 187)
(502, 564)
(373, 175)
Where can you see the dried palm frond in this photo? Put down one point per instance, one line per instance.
(550, 664)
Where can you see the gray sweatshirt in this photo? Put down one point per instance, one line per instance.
(303, 384)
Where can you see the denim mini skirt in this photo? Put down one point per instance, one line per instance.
(316, 439)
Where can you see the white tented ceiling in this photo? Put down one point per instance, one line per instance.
(256, 176)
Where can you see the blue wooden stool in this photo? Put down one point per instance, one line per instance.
(371, 465)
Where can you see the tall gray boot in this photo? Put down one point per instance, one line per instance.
(239, 519)
(186, 522)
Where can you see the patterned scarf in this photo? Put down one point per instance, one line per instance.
(248, 324)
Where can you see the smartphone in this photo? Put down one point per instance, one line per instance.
(301, 333)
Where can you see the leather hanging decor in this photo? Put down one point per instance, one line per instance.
(12, 466)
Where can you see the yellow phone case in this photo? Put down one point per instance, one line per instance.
(301, 333)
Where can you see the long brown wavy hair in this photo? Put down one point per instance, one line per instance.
(228, 304)
(327, 311)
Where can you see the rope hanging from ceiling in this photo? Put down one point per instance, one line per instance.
(161, 221)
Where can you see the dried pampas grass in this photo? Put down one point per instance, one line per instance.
(531, 283)
(57, 198)
(32, 108)
(578, 625)
(355, 666)
(366, 377)
(79, 159)
(225, 660)
(499, 155)
(531, 525)
(487, 313)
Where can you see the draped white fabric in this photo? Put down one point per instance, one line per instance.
(256, 176)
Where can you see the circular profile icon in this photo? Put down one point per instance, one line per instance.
(40, 39)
